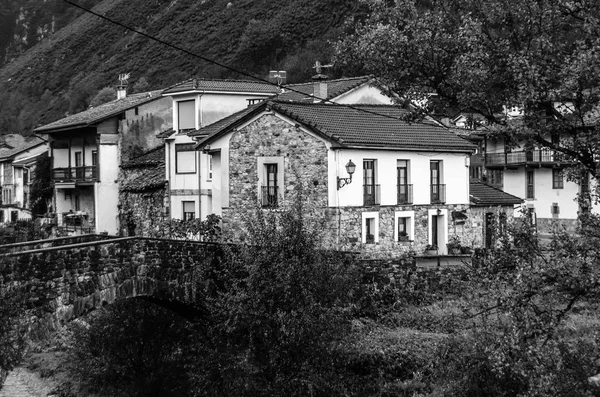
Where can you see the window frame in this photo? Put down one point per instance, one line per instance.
(558, 181)
(185, 148)
(184, 212)
(529, 186)
(194, 115)
(409, 217)
(366, 216)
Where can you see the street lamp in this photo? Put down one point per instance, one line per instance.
(350, 168)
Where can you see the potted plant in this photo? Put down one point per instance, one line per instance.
(431, 249)
(402, 236)
(454, 245)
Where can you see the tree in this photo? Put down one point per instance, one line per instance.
(105, 95)
(279, 307)
(41, 189)
(12, 337)
(141, 85)
(487, 55)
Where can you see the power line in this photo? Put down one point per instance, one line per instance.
(215, 62)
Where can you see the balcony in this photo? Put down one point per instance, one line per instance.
(75, 174)
(438, 194)
(405, 194)
(269, 196)
(537, 157)
(371, 195)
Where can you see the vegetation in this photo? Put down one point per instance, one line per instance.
(41, 189)
(83, 54)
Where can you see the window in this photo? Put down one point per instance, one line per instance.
(189, 210)
(77, 203)
(270, 189)
(210, 167)
(186, 111)
(555, 210)
(404, 189)
(530, 179)
(25, 176)
(404, 225)
(435, 179)
(557, 178)
(403, 229)
(370, 227)
(94, 157)
(185, 158)
(369, 187)
(496, 178)
(475, 172)
(78, 165)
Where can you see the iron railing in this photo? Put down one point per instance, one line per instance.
(438, 194)
(372, 194)
(73, 174)
(405, 194)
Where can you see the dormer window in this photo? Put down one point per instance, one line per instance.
(186, 114)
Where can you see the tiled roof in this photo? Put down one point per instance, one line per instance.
(227, 122)
(335, 88)
(13, 144)
(145, 172)
(99, 113)
(222, 86)
(485, 195)
(372, 126)
(151, 157)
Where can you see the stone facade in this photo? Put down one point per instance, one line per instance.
(142, 213)
(303, 156)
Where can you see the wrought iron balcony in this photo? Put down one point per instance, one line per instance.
(438, 194)
(269, 196)
(75, 174)
(371, 194)
(405, 194)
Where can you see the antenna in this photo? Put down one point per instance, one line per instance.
(319, 67)
(277, 77)
(123, 78)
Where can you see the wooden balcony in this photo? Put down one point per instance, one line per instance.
(75, 174)
(537, 157)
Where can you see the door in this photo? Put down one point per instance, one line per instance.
(435, 231)
(369, 181)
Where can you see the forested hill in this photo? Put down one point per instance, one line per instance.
(55, 58)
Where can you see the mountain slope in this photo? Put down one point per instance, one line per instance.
(64, 70)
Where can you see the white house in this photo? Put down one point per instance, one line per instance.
(86, 150)
(195, 104)
(18, 156)
(409, 180)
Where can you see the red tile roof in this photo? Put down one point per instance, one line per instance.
(369, 126)
(222, 86)
(99, 113)
(484, 195)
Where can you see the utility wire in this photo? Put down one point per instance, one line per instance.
(218, 63)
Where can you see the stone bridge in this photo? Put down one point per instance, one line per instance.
(67, 281)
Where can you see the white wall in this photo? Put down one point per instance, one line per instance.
(455, 175)
(106, 192)
(364, 94)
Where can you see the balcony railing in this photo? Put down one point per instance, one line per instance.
(372, 194)
(524, 157)
(438, 194)
(72, 174)
(269, 195)
(405, 194)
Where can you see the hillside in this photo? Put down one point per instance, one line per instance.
(52, 70)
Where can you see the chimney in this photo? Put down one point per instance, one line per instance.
(122, 87)
(320, 83)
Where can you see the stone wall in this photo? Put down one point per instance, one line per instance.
(143, 213)
(67, 282)
(304, 162)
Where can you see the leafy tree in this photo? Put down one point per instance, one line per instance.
(486, 55)
(105, 95)
(131, 348)
(41, 189)
(279, 307)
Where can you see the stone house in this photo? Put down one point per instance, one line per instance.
(408, 178)
(18, 155)
(86, 150)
